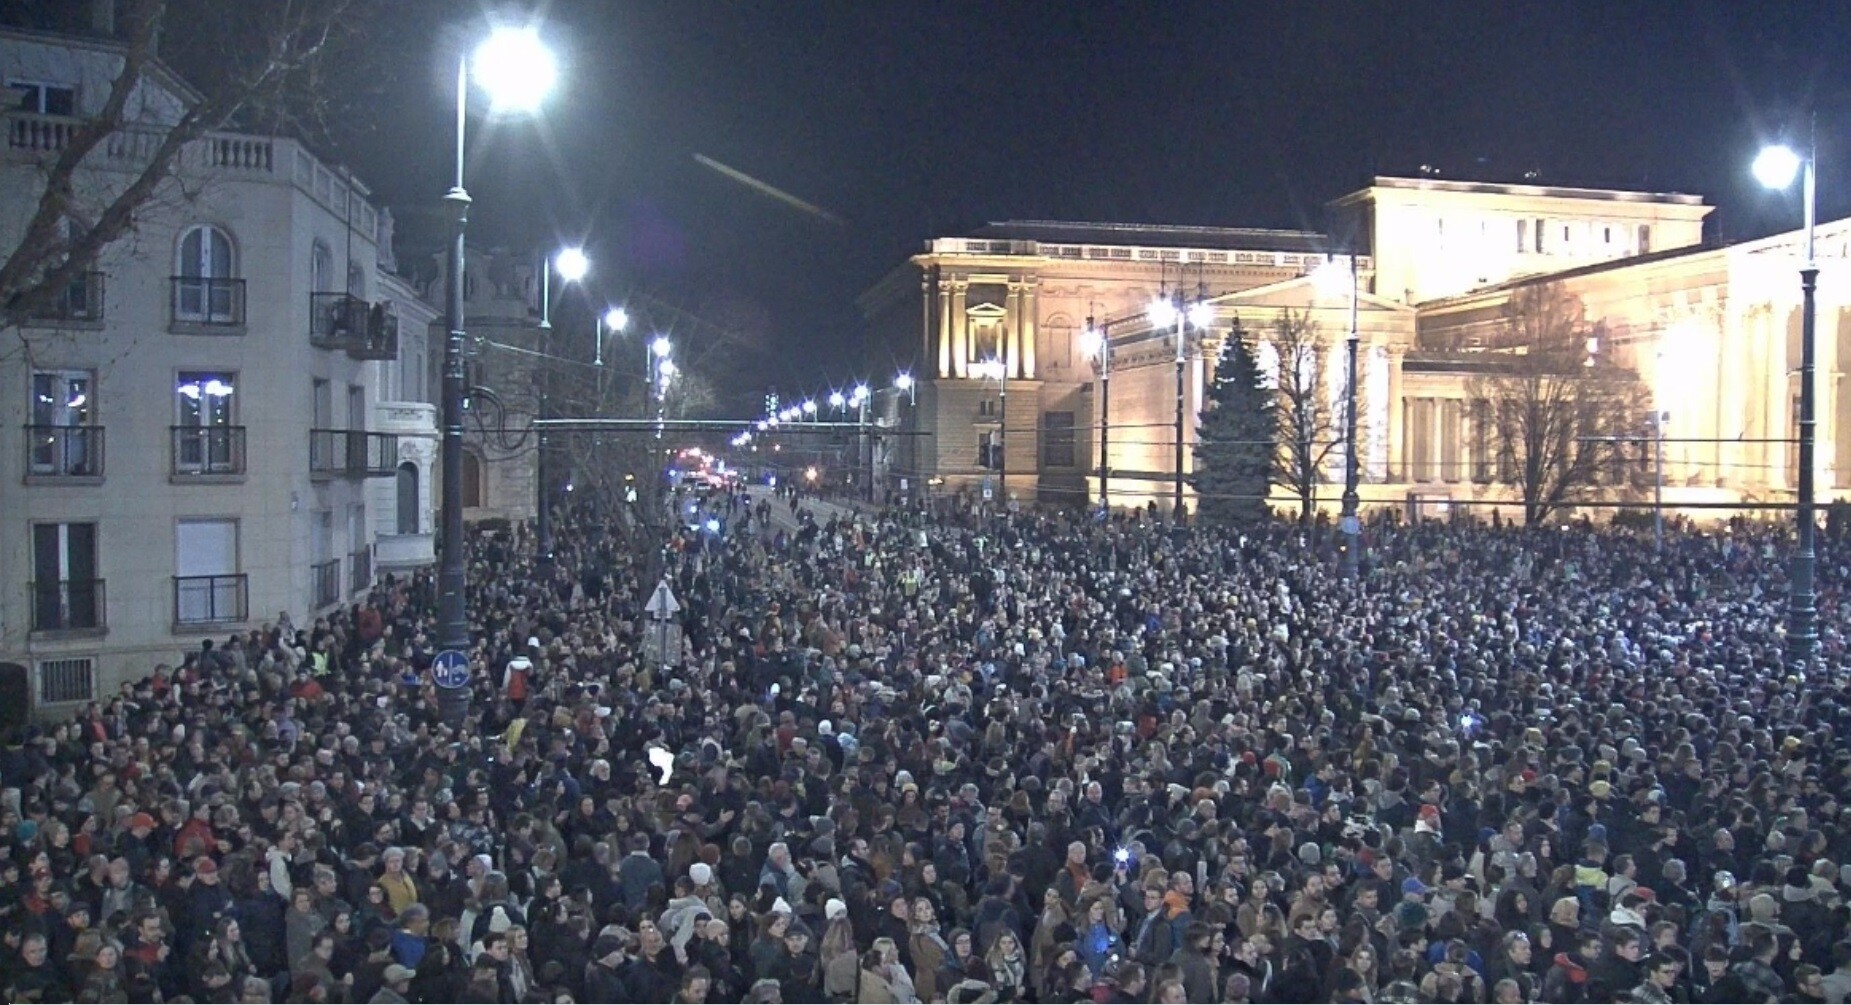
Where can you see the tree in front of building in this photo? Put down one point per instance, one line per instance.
(1297, 362)
(256, 65)
(1235, 453)
(1558, 406)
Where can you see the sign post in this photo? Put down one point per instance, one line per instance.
(662, 608)
(450, 672)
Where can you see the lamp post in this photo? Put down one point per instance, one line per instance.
(659, 368)
(1097, 346)
(993, 369)
(1350, 526)
(1165, 312)
(1775, 168)
(571, 265)
(863, 445)
(514, 67)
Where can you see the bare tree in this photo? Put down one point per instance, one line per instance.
(1556, 402)
(1309, 425)
(266, 57)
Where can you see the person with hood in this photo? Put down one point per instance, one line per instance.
(1567, 980)
(683, 913)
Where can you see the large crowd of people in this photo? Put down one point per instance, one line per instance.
(965, 755)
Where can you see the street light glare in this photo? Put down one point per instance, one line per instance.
(662, 346)
(1162, 312)
(1776, 166)
(1202, 315)
(616, 319)
(1092, 340)
(809, 407)
(515, 69)
(571, 264)
(836, 400)
(904, 382)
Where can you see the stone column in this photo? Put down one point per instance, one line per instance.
(960, 329)
(944, 328)
(1030, 324)
(1397, 417)
(1011, 347)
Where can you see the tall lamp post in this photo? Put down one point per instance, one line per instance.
(863, 445)
(516, 71)
(904, 381)
(994, 369)
(1165, 312)
(1097, 346)
(571, 265)
(1350, 526)
(1775, 168)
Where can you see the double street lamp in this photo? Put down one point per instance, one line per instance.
(1096, 344)
(1165, 312)
(571, 265)
(515, 70)
(996, 370)
(1330, 277)
(1776, 168)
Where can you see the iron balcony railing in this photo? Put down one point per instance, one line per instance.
(360, 570)
(201, 451)
(64, 605)
(211, 600)
(82, 300)
(209, 303)
(352, 453)
(327, 582)
(346, 322)
(64, 451)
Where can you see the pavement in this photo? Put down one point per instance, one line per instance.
(783, 517)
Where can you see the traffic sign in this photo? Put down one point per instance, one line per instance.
(450, 669)
(662, 604)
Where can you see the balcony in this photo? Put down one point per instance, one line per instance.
(345, 322)
(64, 455)
(207, 306)
(80, 303)
(210, 600)
(327, 582)
(68, 607)
(352, 453)
(360, 571)
(208, 453)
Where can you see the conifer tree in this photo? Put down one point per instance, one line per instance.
(1238, 435)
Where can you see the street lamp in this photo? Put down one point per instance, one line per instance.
(1331, 278)
(1097, 347)
(1165, 312)
(837, 401)
(572, 266)
(1775, 168)
(994, 369)
(515, 69)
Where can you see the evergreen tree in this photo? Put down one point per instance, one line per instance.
(1237, 441)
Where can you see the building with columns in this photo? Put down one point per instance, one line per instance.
(1712, 331)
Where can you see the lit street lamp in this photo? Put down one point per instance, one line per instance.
(1331, 278)
(1775, 168)
(1095, 344)
(572, 266)
(994, 369)
(1165, 312)
(515, 69)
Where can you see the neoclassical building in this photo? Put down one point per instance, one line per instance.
(1712, 331)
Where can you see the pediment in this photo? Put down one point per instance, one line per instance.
(986, 312)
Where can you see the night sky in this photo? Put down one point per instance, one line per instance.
(913, 120)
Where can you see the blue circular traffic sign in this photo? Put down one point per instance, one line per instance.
(450, 669)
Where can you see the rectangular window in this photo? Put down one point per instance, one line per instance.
(1645, 238)
(63, 437)
(206, 434)
(207, 585)
(65, 588)
(1538, 228)
(1523, 235)
(64, 681)
(40, 98)
(356, 406)
(1057, 440)
(323, 407)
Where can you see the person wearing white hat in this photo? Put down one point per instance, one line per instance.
(517, 680)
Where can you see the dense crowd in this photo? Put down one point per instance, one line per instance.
(967, 756)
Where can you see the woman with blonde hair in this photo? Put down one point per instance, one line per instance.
(928, 947)
(897, 976)
(1008, 967)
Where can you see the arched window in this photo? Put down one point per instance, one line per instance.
(204, 290)
(408, 496)
(472, 480)
(321, 269)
